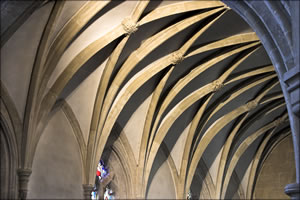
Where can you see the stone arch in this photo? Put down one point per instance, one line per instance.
(270, 20)
(274, 22)
(208, 187)
(123, 152)
(172, 168)
(58, 150)
(9, 161)
(11, 117)
(118, 157)
(277, 44)
(263, 151)
(67, 110)
(286, 175)
(9, 155)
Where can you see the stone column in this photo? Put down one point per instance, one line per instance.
(23, 175)
(87, 190)
(292, 79)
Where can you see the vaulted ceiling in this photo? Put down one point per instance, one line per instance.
(188, 77)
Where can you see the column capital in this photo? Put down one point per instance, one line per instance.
(24, 172)
(87, 190)
(293, 190)
(23, 175)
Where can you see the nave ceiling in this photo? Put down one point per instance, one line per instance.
(187, 79)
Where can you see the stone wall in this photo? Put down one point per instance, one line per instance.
(277, 171)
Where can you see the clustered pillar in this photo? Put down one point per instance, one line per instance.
(292, 80)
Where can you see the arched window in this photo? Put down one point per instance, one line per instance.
(101, 174)
(102, 171)
(108, 194)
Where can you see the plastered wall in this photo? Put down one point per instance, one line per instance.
(161, 186)
(22, 45)
(56, 171)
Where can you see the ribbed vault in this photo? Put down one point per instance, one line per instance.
(188, 78)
